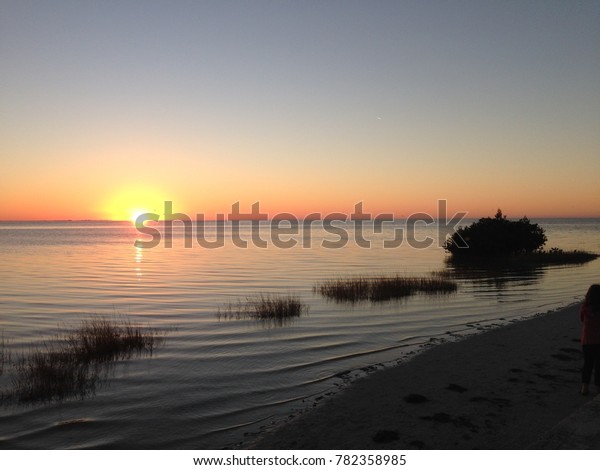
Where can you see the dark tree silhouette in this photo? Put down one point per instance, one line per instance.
(496, 236)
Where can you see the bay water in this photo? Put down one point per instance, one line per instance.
(214, 383)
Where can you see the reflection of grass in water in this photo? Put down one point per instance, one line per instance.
(381, 288)
(269, 308)
(524, 268)
(73, 363)
(540, 258)
(557, 256)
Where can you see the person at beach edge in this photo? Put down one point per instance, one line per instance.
(589, 314)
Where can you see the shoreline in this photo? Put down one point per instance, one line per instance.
(502, 388)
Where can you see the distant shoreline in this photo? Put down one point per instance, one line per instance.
(503, 388)
(472, 218)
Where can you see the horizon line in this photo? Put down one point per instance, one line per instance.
(275, 219)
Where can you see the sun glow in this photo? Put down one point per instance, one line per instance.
(130, 204)
(135, 213)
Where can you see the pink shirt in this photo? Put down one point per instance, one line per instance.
(590, 331)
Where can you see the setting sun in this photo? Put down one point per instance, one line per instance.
(138, 212)
(129, 204)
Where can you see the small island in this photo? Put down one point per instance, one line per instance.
(500, 240)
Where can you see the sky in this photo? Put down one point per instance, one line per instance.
(113, 107)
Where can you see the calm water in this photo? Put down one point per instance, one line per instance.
(213, 381)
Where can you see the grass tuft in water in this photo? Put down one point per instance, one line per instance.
(551, 257)
(46, 374)
(382, 288)
(73, 363)
(557, 256)
(102, 339)
(264, 307)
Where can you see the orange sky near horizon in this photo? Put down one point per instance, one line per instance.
(46, 202)
(301, 109)
(114, 186)
(88, 180)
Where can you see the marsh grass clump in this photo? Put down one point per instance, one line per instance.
(347, 290)
(46, 374)
(264, 307)
(556, 256)
(524, 261)
(382, 288)
(73, 363)
(102, 340)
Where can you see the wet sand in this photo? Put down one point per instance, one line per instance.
(502, 389)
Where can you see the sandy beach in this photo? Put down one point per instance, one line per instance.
(502, 389)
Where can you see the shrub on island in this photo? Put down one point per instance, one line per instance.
(496, 236)
(506, 240)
